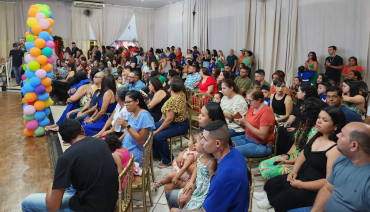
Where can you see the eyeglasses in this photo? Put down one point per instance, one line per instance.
(127, 102)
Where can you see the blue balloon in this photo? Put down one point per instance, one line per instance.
(44, 35)
(35, 81)
(29, 74)
(44, 122)
(51, 38)
(27, 88)
(25, 105)
(40, 115)
(30, 45)
(30, 29)
(51, 15)
(49, 74)
(46, 111)
(43, 97)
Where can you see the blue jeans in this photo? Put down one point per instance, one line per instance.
(37, 203)
(17, 74)
(233, 133)
(160, 144)
(304, 209)
(251, 148)
(172, 198)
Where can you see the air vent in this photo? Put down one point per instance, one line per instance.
(88, 5)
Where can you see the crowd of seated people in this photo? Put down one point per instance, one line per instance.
(148, 94)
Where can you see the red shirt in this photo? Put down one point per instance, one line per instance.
(264, 117)
(178, 56)
(346, 70)
(128, 54)
(204, 87)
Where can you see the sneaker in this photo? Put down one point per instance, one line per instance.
(264, 204)
(259, 195)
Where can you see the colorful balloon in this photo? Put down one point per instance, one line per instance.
(32, 22)
(40, 73)
(44, 24)
(30, 45)
(32, 12)
(29, 110)
(35, 52)
(40, 131)
(42, 59)
(51, 59)
(30, 38)
(44, 35)
(28, 133)
(44, 122)
(39, 105)
(40, 16)
(40, 43)
(35, 81)
(50, 44)
(33, 66)
(28, 117)
(47, 51)
(32, 125)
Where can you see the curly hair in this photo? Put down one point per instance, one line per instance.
(310, 108)
(309, 89)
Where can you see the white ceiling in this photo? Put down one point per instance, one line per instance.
(135, 3)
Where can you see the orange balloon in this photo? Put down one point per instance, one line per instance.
(40, 43)
(39, 105)
(51, 22)
(48, 89)
(42, 59)
(30, 97)
(35, 52)
(47, 67)
(32, 12)
(24, 101)
(49, 30)
(46, 81)
(35, 37)
(25, 122)
(27, 33)
(36, 29)
(34, 6)
(28, 132)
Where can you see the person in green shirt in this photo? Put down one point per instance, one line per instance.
(155, 74)
(260, 76)
(109, 53)
(243, 82)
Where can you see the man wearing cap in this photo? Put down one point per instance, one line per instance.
(18, 60)
(74, 49)
(195, 53)
(136, 61)
(232, 60)
(241, 57)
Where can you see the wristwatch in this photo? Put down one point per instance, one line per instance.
(128, 126)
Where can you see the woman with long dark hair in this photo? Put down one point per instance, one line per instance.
(352, 98)
(311, 169)
(105, 106)
(283, 164)
(137, 126)
(158, 98)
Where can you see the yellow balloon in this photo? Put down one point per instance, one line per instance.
(31, 21)
(47, 102)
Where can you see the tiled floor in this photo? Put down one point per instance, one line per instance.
(159, 199)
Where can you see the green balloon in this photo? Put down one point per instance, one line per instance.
(27, 80)
(40, 131)
(28, 117)
(47, 51)
(46, 13)
(24, 67)
(30, 38)
(33, 65)
(47, 7)
(26, 53)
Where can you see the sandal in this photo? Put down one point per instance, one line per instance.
(157, 184)
(163, 166)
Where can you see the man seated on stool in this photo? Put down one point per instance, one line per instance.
(88, 166)
(348, 186)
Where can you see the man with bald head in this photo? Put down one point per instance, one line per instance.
(348, 186)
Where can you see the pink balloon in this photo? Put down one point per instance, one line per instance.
(44, 24)
(28, 58)
(32, 125)
(29, 110)
(41, 73)
(24, 77)
(40, 16)
(51, 59)
(50, 44)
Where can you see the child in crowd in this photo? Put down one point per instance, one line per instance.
(256, 84)
(294, 88)
(118, 81)
(266, 94)
(217, 97)
(201, 178)
(321, 90)
(183, 166)
(120, 154)
(305, 74)
(182, 61)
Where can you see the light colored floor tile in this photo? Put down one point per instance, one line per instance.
(161, 208)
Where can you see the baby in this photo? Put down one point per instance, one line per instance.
(217, 97)
(182, 167)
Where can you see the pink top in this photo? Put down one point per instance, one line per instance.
(346, 70)
(124, 160)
